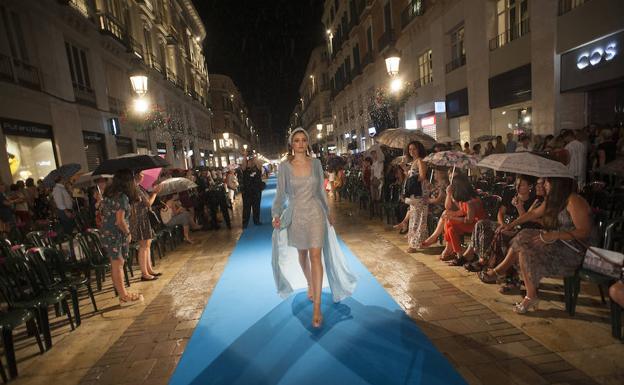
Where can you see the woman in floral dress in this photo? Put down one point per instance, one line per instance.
(116, 230)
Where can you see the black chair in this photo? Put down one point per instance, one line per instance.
(9, 321)
(92, 250)
(613, 240)
(22, 289)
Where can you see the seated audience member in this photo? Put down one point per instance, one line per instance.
(483, 234)
(173, 214)
(462, 221)
(556, 251)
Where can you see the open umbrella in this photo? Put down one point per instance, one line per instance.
(133, 162)
(400, 137)
(454, 159)
(485, 138)
(175, 185)
(150, 176)
(66, 171)
(88, 178)
(526, 163)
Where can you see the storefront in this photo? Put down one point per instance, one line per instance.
(427, 123)
(124, 145)
(597, 69)
(29, 149)
(457, 111)
(95, 148)
(510, 102)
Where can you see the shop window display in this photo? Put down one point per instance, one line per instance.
(29, 157)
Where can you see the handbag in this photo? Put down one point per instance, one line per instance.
(604, 262)
(413, 187)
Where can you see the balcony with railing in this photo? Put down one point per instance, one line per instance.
(134, 47)
(85, 7)
(456, 63)
(116, 106)
(155, 63)
(515, 32)
(111, 26)
(566, 6)
(410, 12)
(385, 40)
(20, 72)
(84, 95)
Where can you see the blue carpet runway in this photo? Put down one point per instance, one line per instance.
(248, 335)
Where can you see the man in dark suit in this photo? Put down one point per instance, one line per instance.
(251, 188)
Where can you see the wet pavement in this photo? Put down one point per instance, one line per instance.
(470, 322)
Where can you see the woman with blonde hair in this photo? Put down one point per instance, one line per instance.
(303, 227)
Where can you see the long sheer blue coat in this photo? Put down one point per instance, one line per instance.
(285, 260)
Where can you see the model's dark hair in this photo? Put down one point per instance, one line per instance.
(462, 189)
(123, 183)
(556, 200)
(419, 148)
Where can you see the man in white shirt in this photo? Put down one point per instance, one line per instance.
(578, 157)
(64, 206)
(525, 144)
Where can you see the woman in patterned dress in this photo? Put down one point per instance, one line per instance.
(141, 228)
(558, 249)
(116, 235)
(416, 217)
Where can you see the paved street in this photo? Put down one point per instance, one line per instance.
(471, 323)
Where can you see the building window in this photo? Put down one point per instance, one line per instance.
(78, 67)
(512, 21)
(15, 34)
(425, 68)
(458, 50)
(387, 17)
(369, 39)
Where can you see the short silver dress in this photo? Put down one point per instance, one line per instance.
(307, 229)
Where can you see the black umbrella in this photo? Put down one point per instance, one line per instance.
(335, 162)
(132, 162)
(66, 171)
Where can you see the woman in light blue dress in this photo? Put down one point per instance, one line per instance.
(304, 240)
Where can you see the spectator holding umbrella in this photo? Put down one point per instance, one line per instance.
(116, 235)
(141, 228)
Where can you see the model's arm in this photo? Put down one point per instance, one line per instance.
(280, 194)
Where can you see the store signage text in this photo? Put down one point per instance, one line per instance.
(19, 128)
(596, 56)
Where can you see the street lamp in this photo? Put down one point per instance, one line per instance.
(245, 147)
(393, 59)
(138, 79)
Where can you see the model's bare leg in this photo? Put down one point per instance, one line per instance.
(304, 261)
(317, 285)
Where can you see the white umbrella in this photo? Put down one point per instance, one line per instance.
(175, 185)
(400, 137)
(526, 163)
(87, 179)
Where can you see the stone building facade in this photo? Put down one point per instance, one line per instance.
(65, 89)
(477, 67)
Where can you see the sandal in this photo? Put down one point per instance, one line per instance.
(131, 299)
(473, 266)
(447, 257)
(459, 261)
(489, 278)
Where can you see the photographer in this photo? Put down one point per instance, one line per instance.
(251, 188)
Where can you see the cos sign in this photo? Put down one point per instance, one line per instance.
(597, 55)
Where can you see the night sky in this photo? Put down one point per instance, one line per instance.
(264, 46)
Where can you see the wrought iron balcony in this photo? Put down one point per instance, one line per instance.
(566, 6)
(513, 33)
(112, 27)
(84, 95)
(116, 106)
(455, 63)
(134, 47)
(20, 72)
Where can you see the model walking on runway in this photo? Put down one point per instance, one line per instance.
(304, 231)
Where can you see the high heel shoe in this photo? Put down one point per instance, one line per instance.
(526, 305)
